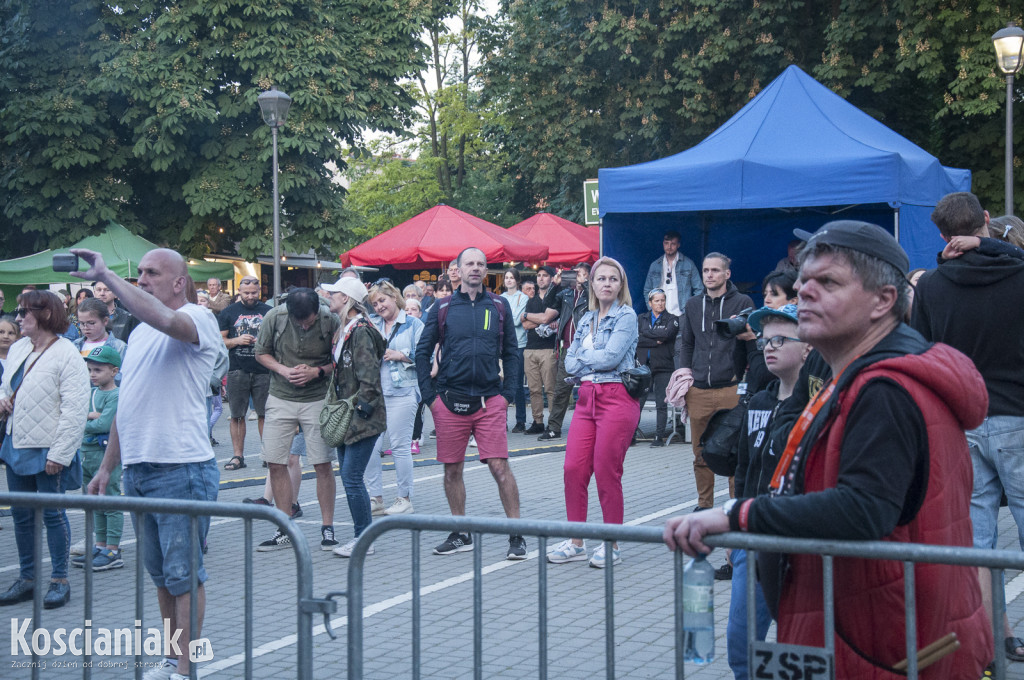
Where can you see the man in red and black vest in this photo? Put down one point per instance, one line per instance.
(879, 454)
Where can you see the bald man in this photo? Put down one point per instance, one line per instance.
(163, 442)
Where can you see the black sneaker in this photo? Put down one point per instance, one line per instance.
(536, 428)
(516, 548)
(433, 434)
(455, 543)
(327, 541)
(658, 441)
(520, 428)
(724, 572)
(280, 541)
(257, 501)
(549, 435)
(296, 511)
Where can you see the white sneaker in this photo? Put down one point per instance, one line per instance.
(346, 550)
(567, 551)
(401, 506)
(78, 548)
(253, 415)
(600, 561)
(164, 671)
(472, 441)
(377, 508)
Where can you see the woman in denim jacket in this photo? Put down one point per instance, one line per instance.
(606, 416)
(401, 395)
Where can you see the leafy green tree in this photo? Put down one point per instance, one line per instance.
(147, 114)
(581, 85)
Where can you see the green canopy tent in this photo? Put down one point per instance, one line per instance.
(121, 250)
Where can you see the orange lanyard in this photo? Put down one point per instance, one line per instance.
(796, 436)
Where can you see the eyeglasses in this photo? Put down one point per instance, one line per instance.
(776, 341)
(23, 311)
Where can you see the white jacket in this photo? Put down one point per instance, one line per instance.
(52, 406)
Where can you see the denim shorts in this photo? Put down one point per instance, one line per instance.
(997, 454)
(167, 549)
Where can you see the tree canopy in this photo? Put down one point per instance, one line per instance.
(146, 114)
(585, 85)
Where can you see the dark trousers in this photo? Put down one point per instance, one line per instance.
(658, 387)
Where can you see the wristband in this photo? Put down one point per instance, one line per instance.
(320, 371)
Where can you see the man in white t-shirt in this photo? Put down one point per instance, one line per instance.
(162, 442)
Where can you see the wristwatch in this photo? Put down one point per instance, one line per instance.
(729, 505)
(320, 371)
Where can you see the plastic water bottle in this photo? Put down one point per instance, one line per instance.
(699, 611)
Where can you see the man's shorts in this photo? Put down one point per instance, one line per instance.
(167, 552)
(242, 386)
(489, 426)
(279, 430)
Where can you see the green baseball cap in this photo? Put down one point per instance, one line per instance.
(105, 355)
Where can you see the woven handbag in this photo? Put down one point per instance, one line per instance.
(335, 418)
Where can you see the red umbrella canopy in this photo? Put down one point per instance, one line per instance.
(437, 236)
(567, 242)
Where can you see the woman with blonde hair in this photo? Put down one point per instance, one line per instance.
(401, 391)
(605, 416)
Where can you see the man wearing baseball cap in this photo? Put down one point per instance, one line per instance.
(879, 453)
(294, 344)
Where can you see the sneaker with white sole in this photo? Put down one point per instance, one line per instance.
(107, 559)
(327, 540)
(516, 548)
(280, 541)
(78, 548)
(599, 559)
(472, 441)
(401, 506)
(455, 543)
(377, 508)
(162, 672)
(346, 550)
(567, 551)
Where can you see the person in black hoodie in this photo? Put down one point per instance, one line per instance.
(655, 348)
(972, 303)
(712, 360)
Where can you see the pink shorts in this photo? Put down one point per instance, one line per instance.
(488, 425)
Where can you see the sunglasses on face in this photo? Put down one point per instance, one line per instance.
(244, 281)
(23, 311)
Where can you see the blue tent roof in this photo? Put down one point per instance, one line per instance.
(797, 155)
(795, 144)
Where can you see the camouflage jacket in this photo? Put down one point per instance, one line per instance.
(357, 371)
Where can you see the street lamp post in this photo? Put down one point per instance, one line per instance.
(1009, 44)
(274, 107)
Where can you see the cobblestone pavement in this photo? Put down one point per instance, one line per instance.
(658, 483)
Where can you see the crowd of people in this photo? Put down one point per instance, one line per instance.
(863, 403)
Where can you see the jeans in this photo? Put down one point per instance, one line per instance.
(352, 459)
(401, 413)
(58, 529)
(167, 550)
(736, 629)
(997, 454)
(519, 397)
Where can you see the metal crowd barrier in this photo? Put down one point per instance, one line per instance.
(307, 605)
(996, 560)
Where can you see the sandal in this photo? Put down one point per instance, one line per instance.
(1012, 644)
(236, 463)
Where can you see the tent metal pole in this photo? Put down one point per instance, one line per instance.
(896, 224)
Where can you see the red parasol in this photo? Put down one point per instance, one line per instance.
(567, 242)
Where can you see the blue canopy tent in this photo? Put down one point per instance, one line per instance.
(798, 155)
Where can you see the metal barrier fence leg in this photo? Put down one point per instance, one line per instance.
(248, 598)
(910, 618)
(37, 583)
(542, 608)
(90, 530)
(140, 571)
(478, 607)
(193, 610)
(416, 629)
(680, 639)
(830, 608)
(998, 611)
(751, 594)
(609, 611)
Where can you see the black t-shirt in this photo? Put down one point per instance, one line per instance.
(237, 319)
(539, 305)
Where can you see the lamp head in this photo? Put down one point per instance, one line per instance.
(274, 106)
(1009, 44)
